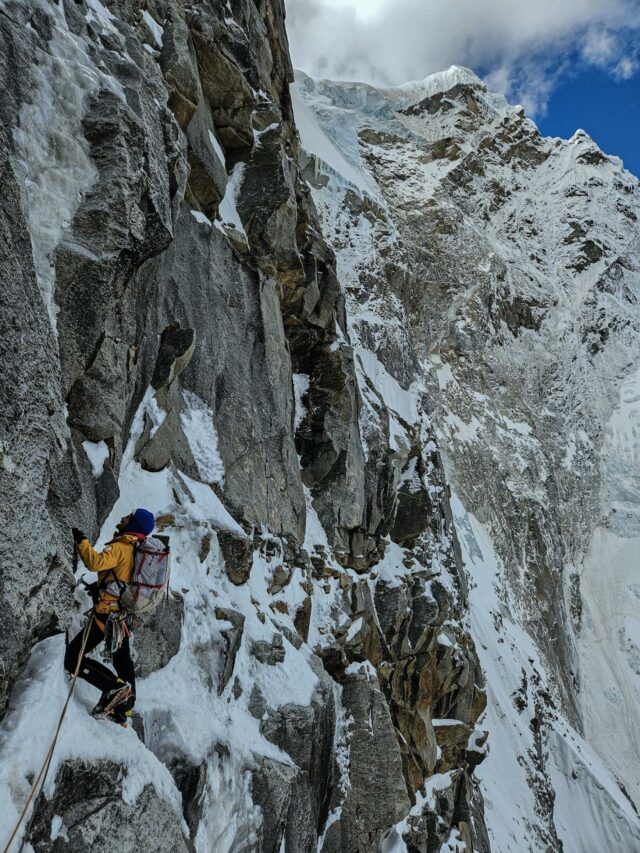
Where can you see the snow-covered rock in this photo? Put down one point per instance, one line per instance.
(377, 382)
(495, 275)
(174, 336)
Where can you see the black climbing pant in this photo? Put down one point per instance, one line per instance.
(93, 671)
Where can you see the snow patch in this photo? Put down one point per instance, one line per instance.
(395, 397)
(228, 212)
(300, 389)
(201, 217)
(199, 428)
(97, 454)
(217, 148)
(154, 27)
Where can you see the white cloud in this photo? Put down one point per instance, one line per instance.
(627, 67)
(521, 45)
(600, 46)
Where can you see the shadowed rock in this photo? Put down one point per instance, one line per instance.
(158, 639)
(88, 799)
(176, 348)
(238, 556)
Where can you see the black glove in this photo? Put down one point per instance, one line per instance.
(92, 590)
(78, 535)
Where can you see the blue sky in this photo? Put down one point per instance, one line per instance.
(570, 63)
(608, 109)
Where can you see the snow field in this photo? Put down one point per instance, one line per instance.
(590, 810)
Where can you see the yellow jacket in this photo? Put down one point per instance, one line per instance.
(115, 560)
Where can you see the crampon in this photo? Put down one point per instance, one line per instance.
(112, 705)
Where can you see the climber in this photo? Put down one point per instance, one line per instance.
(114, 566)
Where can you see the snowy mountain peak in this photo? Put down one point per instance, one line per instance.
(441, 81)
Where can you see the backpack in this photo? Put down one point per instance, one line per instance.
(149, 582)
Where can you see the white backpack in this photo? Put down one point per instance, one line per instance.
(149, 582)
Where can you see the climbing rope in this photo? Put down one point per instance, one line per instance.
(47, 761)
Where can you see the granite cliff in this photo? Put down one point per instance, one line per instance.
(358, 350)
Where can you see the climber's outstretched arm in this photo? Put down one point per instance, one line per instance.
(97, 561)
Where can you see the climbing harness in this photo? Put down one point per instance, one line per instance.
(44, 769)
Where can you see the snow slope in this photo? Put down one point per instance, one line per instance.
(609, 641)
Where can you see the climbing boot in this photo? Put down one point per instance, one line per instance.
(119, 716)
(119, 697)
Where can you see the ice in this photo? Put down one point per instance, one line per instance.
(54, 162)
(230, 821)
(440, 81)
(315, 141)
(57, 170)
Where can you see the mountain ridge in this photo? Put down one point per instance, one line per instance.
(482, 251)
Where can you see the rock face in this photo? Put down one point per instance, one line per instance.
(292, 368)
(378, 796)
(88, 808)
(188, 351)
(158, 641)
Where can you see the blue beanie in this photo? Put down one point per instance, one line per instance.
(141, 521)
